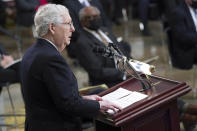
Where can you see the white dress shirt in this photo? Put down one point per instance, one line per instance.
(84, 3)
(95, 34)
(193, 13)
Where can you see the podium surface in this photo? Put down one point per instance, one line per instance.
(157, 112)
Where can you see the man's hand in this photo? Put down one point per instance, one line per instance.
(6, 60)
(106, 105)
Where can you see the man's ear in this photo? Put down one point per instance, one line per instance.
(52, 28)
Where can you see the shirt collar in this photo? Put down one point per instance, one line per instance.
(50, 43)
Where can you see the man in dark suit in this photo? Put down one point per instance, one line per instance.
(10, 75)
(49, 87)
(184, 35)
(74, 6)
(183, 51)
(100, 69)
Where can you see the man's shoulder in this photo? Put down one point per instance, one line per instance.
(41, 50)
(181, 9)
(178, 13)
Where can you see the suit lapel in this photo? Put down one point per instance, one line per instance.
(98, 42)
(189, 18)
(109, 34)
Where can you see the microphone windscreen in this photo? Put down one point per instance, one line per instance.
(98, 49)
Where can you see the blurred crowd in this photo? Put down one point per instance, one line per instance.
(93, 21)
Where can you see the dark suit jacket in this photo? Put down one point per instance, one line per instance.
(100, 69)
(184, 38)
(50, 91)
(25, 10)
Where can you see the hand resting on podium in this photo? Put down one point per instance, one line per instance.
(105, 105)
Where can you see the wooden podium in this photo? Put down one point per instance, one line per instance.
(157, 112)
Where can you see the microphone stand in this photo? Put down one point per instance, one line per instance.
(127, 67)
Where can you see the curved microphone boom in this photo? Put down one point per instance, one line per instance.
(106, 52)
(115, 46)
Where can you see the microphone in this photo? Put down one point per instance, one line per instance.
(106, 52)
(115, 46)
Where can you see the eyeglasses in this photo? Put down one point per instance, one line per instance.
(68, 23)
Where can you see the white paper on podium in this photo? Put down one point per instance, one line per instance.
(123, 98)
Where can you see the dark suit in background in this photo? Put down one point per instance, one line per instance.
(74, 7)
(25, 10)
(2, 13)
(10, 75)
(50, 91)
(184, 38)
(100, 69)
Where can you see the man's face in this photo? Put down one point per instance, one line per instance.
(63, 32)
(93, 19)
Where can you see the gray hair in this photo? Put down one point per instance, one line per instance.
(47, 14)
(82, 12)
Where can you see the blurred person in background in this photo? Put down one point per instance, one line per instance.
(183, 23)
(8, 75)
(100, 69)
(25, 11)
(74, 6)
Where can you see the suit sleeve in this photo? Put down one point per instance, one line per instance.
(96, 66)
(180, 28)
(63, 89)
